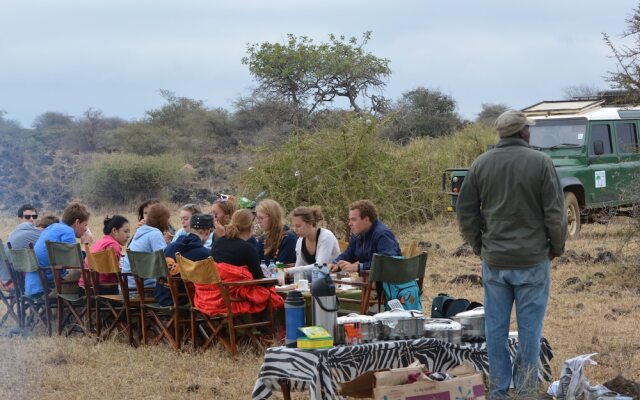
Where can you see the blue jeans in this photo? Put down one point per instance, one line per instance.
(529, 288)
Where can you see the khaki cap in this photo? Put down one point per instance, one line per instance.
(512, 121)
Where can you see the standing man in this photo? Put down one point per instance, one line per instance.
(511, 211)
(23, 234)
(368, 236)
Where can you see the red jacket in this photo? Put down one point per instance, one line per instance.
(208, 298)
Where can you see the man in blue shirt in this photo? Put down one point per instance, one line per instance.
(75, 220)
(369, 236)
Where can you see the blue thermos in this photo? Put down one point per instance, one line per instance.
(294, 316)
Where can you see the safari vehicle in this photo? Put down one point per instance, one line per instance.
(594, 147)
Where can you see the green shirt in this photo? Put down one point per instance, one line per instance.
(511, 206)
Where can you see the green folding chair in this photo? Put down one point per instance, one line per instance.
(72, 307)
(10, 297)
(164, 321)
(34, 309)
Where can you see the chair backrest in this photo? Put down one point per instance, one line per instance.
(4, 256)
(397, 270)
(343, 245)
(410, 250)
(148, 265)
(200, 272)
(105, 261)
(24, 260)
(64, 255)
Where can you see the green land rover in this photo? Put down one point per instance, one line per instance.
(594, 148)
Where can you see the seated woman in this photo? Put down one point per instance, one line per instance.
(149, 238)
(277, 243)
(236, 260)
(315, 244)
(116, 234)
(222, 209)
(190, 246)
(185, 219)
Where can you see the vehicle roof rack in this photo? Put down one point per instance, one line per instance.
(560, 107)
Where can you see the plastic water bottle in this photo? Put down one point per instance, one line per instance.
(272, 270)
(294, 307)
(280, 274)
(264, 268)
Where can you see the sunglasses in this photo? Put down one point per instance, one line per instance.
(32, 216)
(223, 197)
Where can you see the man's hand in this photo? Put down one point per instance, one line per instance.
(551, 256)
(346, 266)
(333, 267)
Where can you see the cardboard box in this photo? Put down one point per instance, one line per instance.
(467, 384)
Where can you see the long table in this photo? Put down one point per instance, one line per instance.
(321, 371)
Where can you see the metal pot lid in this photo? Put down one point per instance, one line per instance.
(476, 312)
(356, 318)
(441, 324)
(395, 315)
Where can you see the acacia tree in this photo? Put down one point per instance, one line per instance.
(311, 75)
(627, 75)
(490, 112)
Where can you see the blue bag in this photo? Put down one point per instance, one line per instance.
(407, 293)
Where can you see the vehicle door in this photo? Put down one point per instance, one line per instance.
(603, 164)
(629, 165)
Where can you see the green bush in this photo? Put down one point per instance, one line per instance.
(122, 179)
(334, 167)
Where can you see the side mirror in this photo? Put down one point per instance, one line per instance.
(598, 147)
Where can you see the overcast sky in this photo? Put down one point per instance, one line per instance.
(115, 55)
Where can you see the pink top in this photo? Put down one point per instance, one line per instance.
(104, 243)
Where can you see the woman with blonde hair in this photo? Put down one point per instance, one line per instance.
(277, 243)
(315, 244)
(186, 212)
(234, 248)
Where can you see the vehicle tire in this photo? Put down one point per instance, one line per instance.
(572, 209)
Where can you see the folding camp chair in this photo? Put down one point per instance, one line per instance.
(386, 269)
(111, 309)
(212, 326)
(73, 310)
(10, 297)
(33, 308)
(166, 320)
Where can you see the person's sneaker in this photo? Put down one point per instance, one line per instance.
(6, 286)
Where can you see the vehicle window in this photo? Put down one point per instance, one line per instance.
(601, 132)
(547, 133)
(627, 138)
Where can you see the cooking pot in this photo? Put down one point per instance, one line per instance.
(356, 329)
(443, 329)
(472, 322)
(400, 324)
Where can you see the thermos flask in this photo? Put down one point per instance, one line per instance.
(325, 303)
(294, 317)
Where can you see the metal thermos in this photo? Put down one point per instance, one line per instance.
(294, 317)
(325, 303)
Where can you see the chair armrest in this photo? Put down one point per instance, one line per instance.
(253, 282)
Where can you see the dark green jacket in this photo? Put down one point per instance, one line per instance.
(511, 206)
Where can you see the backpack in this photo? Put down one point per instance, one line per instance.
(407, 293)
(445, 306)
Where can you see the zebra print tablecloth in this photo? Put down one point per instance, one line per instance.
(321, 371)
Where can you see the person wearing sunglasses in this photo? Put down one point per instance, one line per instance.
(24, 233)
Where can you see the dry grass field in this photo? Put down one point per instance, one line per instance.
(594, 308)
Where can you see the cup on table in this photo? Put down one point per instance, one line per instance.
(303, 284)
